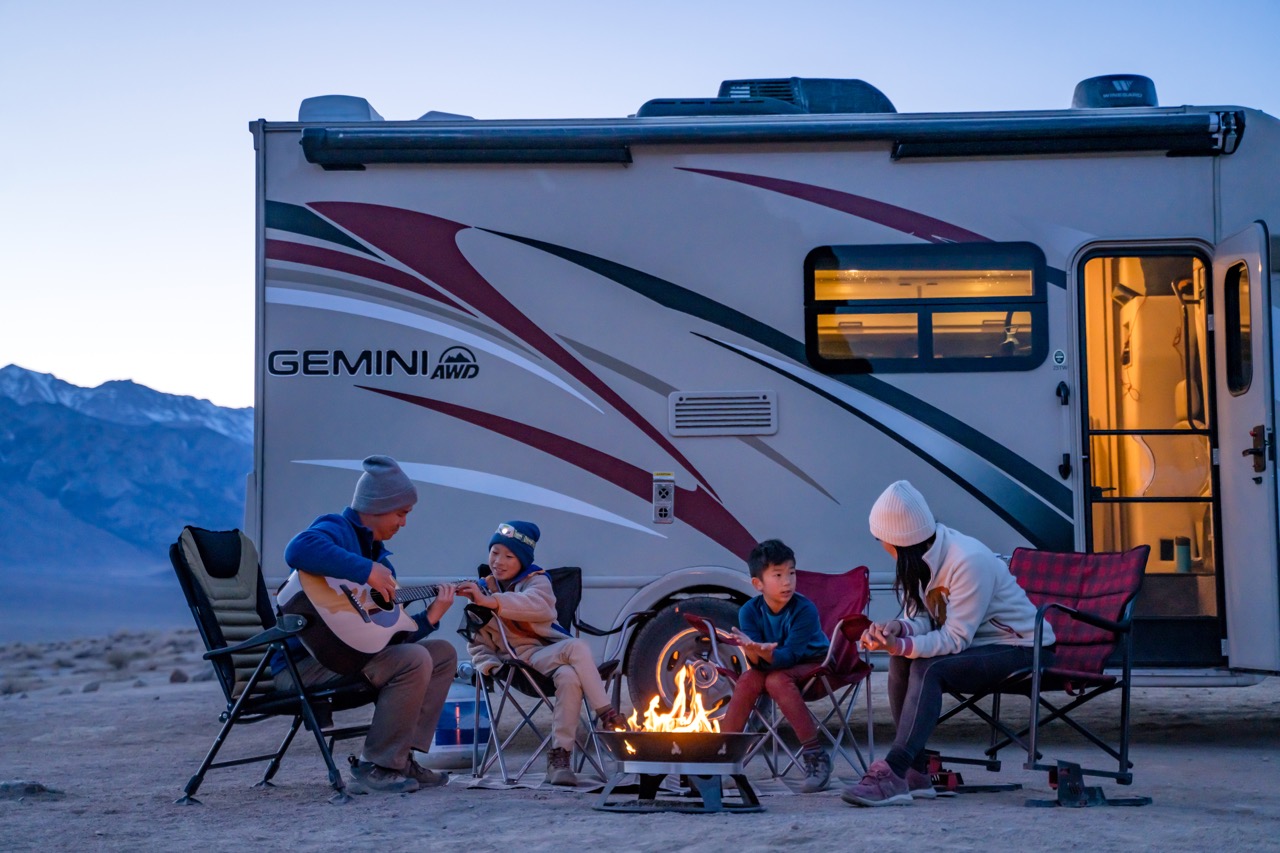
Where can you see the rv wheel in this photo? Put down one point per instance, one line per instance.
(667, 643)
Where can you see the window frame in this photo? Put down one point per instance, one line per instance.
(929, 256)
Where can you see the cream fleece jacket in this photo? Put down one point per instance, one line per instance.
(972, 599)
(528, 613)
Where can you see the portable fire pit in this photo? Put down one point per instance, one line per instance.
(703, 758)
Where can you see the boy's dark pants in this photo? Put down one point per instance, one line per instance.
(783, 686)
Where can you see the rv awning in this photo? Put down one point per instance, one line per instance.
(1176, 133)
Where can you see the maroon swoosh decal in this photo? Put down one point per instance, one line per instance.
(695, 507)
(428, 244)
(299, 253)
(892, 216)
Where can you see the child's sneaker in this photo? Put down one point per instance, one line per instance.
(558, 770)
(880, 787)
(370, 778)
(611, 720)
(817, 770)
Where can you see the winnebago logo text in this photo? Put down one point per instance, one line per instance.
(454, 363)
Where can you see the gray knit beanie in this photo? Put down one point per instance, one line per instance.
(901, 517)
(383, 487)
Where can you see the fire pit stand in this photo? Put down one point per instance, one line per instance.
(702, 759)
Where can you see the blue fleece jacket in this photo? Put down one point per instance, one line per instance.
(339, 546)
(795, 628)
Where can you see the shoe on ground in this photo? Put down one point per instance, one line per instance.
(558, 770)
(921, 786)
(425, 776)
(817, 770)
(879, 787)
(370, 778)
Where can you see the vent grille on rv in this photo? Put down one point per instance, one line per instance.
(722, 413)
(780, 89)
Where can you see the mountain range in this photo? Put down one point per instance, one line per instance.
(96, 483)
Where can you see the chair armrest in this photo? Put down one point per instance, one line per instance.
(1083, 616)
(285, 627)
(631, 619)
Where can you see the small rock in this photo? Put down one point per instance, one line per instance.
(203, 675)
(66, 691)
(18, 789)
(178, 677)
(91, 687)
(139, 683)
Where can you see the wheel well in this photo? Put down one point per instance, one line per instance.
(689, 592)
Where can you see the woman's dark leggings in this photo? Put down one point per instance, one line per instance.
(916, 687)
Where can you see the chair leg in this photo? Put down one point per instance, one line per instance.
(193, 784)
(274, 764)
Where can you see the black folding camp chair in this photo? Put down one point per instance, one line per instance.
(223, 585)
(515, 684)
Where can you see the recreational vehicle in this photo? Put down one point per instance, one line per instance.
(666, 336)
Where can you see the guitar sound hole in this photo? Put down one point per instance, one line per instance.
(382, 603)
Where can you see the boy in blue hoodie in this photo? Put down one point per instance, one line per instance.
(781, 635)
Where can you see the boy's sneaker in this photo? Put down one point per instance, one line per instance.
(611, 720)
(558, 770)
(880, 787)
(370, 778)
(425, 776)
(817, 770)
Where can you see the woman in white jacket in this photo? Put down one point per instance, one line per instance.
(966, 625)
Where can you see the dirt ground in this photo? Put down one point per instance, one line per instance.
(112, 732)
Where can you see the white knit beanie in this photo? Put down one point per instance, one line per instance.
(901, 517)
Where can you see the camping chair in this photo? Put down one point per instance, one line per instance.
(841, 601)
(514, 679)
(1088, 599)
(220, 577)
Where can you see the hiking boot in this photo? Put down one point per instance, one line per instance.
(817, 770)
(424, 776)
(880, 787)
(611, 720)
(370, 778)
(558, 770)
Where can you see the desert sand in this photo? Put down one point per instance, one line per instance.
(98, 736)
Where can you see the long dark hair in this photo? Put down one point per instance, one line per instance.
(912, 576)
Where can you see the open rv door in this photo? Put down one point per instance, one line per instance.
(1246, 441)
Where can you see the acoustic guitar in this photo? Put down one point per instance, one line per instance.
(348, 623)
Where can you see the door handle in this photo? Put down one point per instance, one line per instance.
(1259, 449)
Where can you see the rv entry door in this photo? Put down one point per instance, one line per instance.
(1246, 436)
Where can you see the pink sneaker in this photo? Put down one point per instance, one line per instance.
(920, 785)
(880, 787)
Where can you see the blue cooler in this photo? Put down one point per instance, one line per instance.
(454, 732)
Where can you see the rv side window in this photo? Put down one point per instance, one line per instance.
(952, 307)
(1238, 329)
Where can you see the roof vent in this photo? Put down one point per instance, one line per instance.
(1115, 90)
(715, 107)
(337, 108)
(813, 94)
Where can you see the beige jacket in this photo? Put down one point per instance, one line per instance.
(527, 613)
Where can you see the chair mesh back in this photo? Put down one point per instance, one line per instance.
(1102, 583)
(566, 583)
(225, 590)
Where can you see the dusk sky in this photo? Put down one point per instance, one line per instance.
(127, 224)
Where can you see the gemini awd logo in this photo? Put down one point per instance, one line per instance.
(456, 363)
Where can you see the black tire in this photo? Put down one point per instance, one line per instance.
(667, 641)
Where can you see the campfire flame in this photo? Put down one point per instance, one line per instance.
(687, 714)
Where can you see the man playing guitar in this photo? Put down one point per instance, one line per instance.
(412, 678)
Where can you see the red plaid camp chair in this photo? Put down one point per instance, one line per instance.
(841, 601)
(1088, 599)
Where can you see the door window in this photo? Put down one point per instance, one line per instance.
(1238, 329)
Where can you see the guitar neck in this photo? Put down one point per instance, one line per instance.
(407, 594)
